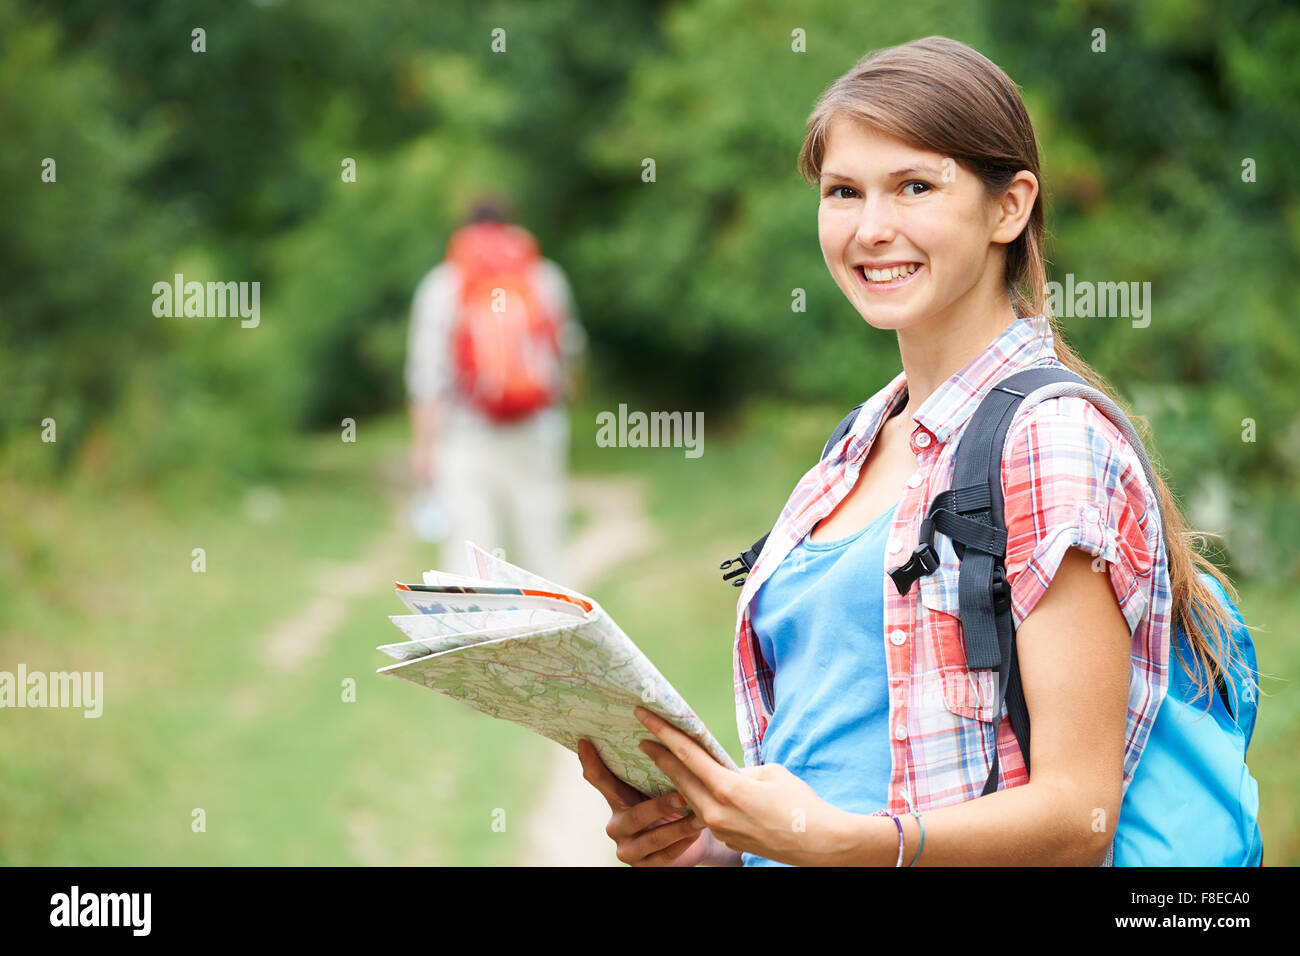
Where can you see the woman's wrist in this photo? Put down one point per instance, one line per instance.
(863, 840)
(869, 840)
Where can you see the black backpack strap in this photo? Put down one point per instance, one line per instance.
(1024, 383)
(984, 594)
(1068, 384)
(744, 562)
(971, 514)
(842, 429)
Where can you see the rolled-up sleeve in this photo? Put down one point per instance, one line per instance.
(1071, 480)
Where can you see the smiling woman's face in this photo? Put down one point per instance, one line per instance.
(886, 204)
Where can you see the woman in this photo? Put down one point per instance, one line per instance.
(852, 698)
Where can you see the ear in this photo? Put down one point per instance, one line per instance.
(1014, 207)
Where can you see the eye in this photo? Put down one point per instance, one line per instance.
(834, 189)
(917, 182)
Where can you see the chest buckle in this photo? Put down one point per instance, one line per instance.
(924, 560)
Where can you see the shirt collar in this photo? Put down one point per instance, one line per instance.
(1024, 342)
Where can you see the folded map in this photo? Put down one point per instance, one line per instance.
(517, 646)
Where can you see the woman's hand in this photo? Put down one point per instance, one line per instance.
(648, 831)
(765, 810)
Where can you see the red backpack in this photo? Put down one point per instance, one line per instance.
(505, 342)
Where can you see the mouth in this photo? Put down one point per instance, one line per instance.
(888, 279)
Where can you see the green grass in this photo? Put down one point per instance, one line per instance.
(287, 772)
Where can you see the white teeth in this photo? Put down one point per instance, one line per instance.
(887, 275)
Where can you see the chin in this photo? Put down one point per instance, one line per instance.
(887, 326)
(889, 319)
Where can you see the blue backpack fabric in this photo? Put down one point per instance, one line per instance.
(1192, 800)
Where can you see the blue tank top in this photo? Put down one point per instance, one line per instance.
(819, 619)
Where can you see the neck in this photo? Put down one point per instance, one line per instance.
(935, 350)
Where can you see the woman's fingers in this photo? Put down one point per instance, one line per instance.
(647, 847)
(617, 794)
(666, 856)
(659, 810)
(647, 830)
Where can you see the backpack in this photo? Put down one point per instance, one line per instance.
(1192, 800)
(505, 343)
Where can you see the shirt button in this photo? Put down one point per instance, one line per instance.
(897, 637)
(914, 480)
(895, 545)
(923, 440)
(900, 732)
(1092, 514)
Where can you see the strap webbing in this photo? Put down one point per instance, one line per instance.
(987, 624)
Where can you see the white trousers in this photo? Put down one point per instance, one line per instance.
(504, 487)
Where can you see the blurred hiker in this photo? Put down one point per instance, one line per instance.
(494, 332)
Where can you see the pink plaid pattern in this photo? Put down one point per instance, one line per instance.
(1070, 479)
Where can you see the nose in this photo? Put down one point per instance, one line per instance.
(875, 223)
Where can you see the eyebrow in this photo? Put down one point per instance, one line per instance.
(830, 174)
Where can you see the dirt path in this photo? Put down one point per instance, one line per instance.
(299, 638)
(301, 635)
(567, 825)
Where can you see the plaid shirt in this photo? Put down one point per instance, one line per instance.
(1070, 480)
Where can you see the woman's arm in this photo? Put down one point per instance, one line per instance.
(1074, 665)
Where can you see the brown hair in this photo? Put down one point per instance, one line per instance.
(942, 96)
